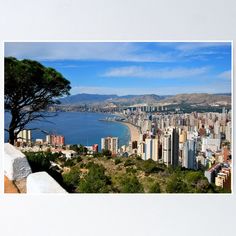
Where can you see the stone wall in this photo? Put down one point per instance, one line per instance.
(16, 166)
(17, 169)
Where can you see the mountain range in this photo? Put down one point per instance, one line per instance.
(150, 99)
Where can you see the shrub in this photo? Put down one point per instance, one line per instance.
(78, 159)
(131, 184)
(106, 153)
(117, 161)
(95, 180)
(176, 185)
(155, 188)
(149, 166)
(40, 161)
(128, 162)
(71, 179)
(69, 163)
(131, 170)
(138, 158)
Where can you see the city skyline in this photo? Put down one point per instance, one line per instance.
(124, 68)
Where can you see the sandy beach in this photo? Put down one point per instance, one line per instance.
(134, 131)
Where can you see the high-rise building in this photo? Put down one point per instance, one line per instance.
(183, 136)
(24, 136)
(56, 140)
(166, 149)
(228, 130)
(170, 147)
(148, 148)
(189, 154)
(110, 143)
(151, 149)
(155, 149)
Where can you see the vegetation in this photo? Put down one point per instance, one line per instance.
(95, 180)
(130, 184)
(118, 161)
(71, 179)
(80, 149)
(155, 188)
(120, 175)
(106, 153)
(41, 161)
(30, 88)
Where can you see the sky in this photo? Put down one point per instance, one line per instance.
(124, 68)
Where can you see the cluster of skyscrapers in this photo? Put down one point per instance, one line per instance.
(191, 140)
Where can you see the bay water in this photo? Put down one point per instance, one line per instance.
(78, 128)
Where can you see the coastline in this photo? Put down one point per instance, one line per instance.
(134, 131)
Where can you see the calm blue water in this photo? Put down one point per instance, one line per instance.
(78, 128)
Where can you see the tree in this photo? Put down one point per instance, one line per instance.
(117, 161)
(106, 153)
(176, 185)
(40, 161)
(131, 184)
(95, 180)
(30, 88)
(71, 179)
(149, 166)
(155, 188)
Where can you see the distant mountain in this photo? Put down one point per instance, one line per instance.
(84, 98)
(127, 100)
(199, 98)
(138, 99)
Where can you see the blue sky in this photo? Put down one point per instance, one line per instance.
(124, 68)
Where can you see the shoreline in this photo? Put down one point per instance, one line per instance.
(134, 131)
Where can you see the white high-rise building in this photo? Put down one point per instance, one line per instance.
(217, 128)
(170, 147)
(228, 130)
(151, 149)
(148, 148)
(166, 149)
(24, 136)
(189, 154)
(110, 143)
(155, 150)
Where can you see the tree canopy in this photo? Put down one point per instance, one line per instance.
(30, 88)
(95, 181)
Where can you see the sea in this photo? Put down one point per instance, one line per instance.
(77, 127)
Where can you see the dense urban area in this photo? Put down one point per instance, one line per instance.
(169, 152)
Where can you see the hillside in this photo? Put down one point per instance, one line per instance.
(199, 98)
(84, 98)
(150, 99)
(103, 174)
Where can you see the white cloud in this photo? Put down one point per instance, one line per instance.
(110, 51)
(84, 51)
(196, 46)
(138, 71)
(225, 75)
